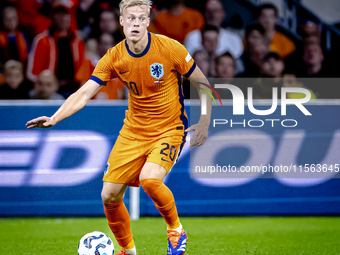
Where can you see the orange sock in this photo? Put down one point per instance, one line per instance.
(163, 200)
(119, 222)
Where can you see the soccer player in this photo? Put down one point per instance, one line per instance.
(155, 126)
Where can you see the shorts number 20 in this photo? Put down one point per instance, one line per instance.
(172, 151)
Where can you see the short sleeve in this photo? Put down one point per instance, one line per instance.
(184, 63)
(104, 70)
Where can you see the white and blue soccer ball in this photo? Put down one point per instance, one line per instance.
(95, 243)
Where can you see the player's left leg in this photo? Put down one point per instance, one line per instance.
(151, 179)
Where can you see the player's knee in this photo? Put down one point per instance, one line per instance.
(110, 197)
(151, 184)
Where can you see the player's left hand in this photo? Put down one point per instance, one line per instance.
(200, 135)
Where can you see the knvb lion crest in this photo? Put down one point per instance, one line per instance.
(157, 70)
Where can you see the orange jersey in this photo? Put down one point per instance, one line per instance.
(153, 78)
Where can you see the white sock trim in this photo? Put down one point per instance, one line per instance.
(131, 251)
(179, 229)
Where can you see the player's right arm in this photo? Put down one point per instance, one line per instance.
(73, 104)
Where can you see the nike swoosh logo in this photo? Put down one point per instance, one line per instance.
(117, 231)
(123, 72)
(170, 209)
(165, 160)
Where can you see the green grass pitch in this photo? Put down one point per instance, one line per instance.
(207, 235)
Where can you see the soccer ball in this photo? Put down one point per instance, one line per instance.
(95, 243)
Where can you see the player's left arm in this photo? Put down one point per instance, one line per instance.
(201, 128)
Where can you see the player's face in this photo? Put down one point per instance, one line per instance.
(135, 21)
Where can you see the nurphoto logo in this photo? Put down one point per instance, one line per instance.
(239, 105)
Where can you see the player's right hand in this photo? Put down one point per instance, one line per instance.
(41, 122)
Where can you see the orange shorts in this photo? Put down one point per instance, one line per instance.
(128, 157)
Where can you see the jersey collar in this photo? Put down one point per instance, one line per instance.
(144, 51)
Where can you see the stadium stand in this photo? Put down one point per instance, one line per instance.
(313, 40)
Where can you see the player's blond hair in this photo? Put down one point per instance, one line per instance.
(129, 3)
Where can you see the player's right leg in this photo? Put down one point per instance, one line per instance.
(118, 216)
(123, 168)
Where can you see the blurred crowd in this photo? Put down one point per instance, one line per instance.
(49, 48)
